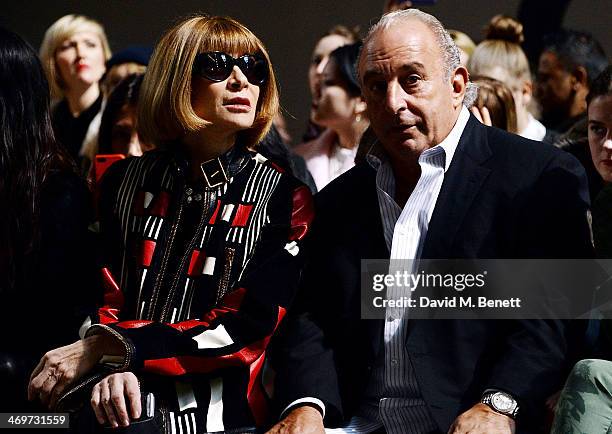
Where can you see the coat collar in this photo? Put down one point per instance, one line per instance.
(462, 182)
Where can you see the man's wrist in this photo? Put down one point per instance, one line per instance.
(315, 403)
(501, 402)
(307, 406)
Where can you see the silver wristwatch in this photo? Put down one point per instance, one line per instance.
(501, 402)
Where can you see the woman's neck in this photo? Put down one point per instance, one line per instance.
(205, 145)
(80, 100)
(522, 119)
(350, 136)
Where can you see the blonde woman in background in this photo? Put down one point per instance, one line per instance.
(464, 43)
(500, 57)
(74, 52)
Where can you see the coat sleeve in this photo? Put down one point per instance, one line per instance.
(301, 354)
(555, 225)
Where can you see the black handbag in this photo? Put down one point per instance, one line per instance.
(150, 422)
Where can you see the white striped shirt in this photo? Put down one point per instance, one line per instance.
(393, 399)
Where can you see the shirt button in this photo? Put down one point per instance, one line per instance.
(394, 361)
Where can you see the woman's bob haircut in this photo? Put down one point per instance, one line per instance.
(165, 113)
(55, 35)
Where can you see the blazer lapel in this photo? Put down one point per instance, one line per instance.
(462, 182)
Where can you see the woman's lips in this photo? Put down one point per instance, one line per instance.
(82, 67)
(238, 105)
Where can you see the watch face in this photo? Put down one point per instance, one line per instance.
(502, 401)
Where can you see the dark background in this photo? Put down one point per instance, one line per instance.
(288, 28)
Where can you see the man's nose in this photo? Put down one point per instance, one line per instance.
(237, 79)
(395, 98)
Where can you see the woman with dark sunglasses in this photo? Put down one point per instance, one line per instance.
(202, 241)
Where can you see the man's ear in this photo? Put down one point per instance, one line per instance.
(460, 78)
(580, 76)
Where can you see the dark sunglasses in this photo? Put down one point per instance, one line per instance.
(217, 66)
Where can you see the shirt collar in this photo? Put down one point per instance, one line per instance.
(450, 143)
(376, 155)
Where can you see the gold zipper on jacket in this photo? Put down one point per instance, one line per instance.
(166, 257)
(207, 208)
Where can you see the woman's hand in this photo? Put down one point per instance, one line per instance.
(60, 367)
(108, 399)
(482, 115)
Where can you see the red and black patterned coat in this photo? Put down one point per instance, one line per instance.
(197, 280)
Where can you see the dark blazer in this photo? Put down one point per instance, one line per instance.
(502, 197)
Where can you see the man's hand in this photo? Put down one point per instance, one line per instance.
(108, 399)
(60, 367)
(302, 420)
(481, 419)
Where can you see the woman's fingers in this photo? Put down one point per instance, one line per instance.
(55, 394)
(40, 376)
(132, 393)
(37, 369)
(105, 398)
(108, 399)
(476, 113)
(482, 114)
(116, 385)
(35, 385)
(44, 392)
(60, 367)
(486, 116)
(96, 404)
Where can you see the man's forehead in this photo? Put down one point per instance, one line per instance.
(408, 40)
(549, 60)
(399, 30)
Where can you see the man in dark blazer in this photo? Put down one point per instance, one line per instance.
(460, 190)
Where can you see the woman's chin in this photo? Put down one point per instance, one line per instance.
(87, 78)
